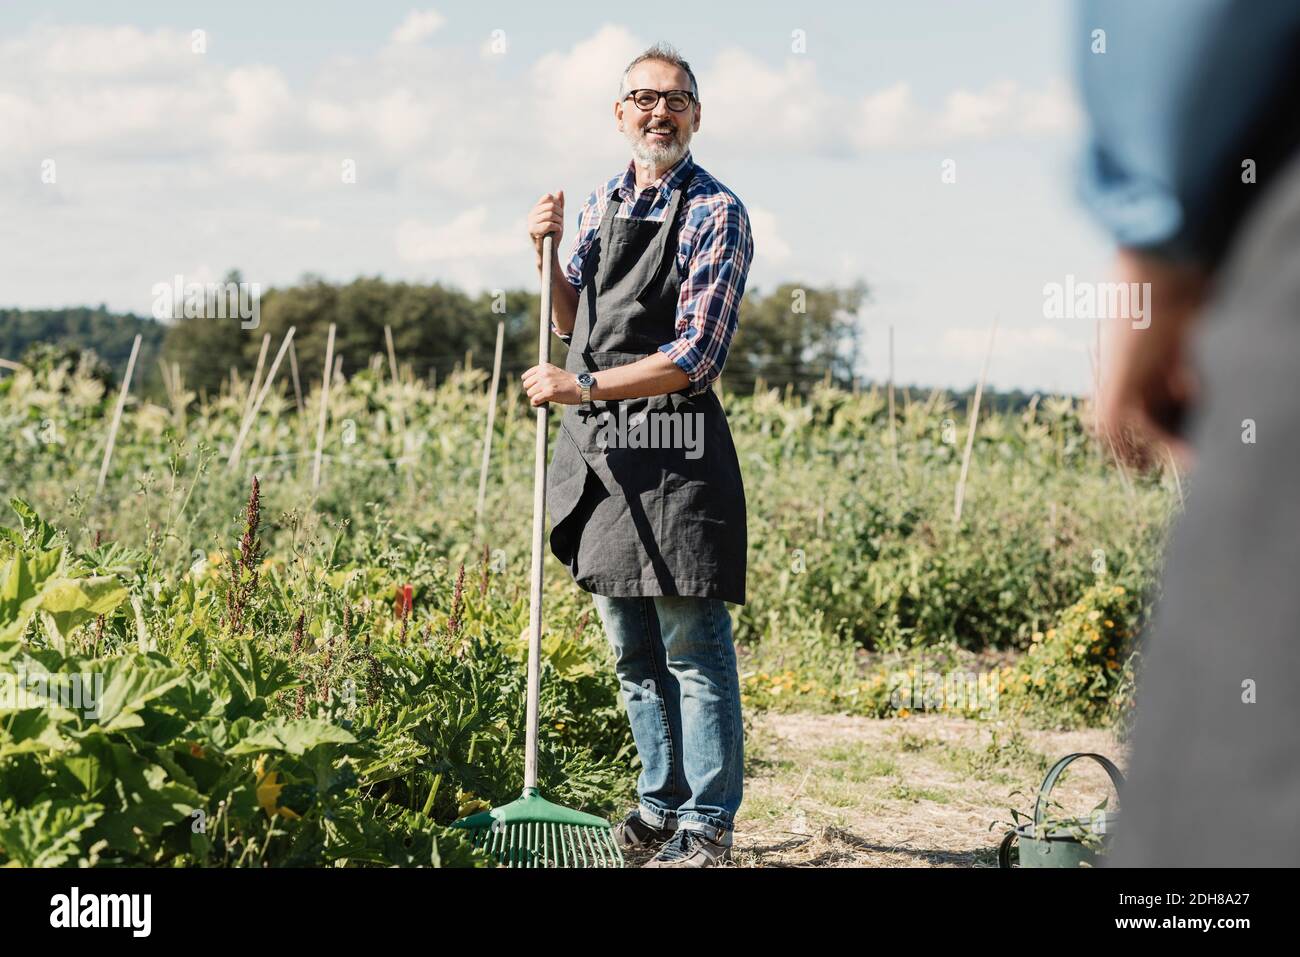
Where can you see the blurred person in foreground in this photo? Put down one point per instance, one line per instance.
(1193, 169)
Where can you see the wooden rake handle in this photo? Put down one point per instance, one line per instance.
(539, 526)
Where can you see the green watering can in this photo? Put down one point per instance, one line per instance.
(1059, 843)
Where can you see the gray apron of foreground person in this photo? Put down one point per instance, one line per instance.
(1215, 779)
(634, 522)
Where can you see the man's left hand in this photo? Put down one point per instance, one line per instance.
(549, 383)
(1149, 383)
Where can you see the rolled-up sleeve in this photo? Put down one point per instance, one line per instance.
(1181, 96)
(573, 268)
(708, 308)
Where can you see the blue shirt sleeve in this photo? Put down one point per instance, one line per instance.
(1184, 94)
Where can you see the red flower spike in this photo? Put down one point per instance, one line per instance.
(402, 602)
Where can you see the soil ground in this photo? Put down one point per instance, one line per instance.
(843, 791)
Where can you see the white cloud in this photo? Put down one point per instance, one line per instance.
(1041, 353)
(470, 235)
(418, 25)
(103, 52)
(886, 117)
(971, 115)
(747, 103)
(572, 93)
(770, 246)
(893, 119)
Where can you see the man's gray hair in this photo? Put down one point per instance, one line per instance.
(664, 53)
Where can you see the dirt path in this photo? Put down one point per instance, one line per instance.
(839, 791)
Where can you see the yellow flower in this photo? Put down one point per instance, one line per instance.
(1024, 679)
(1040, 681)
(1112, 665)
(1038, 636)
(1109, 623)
(1110, 652)
(1094, 615)
(1119, 589)
(903, 712)
(268, 794)
(1079, 649)
(559, 726)
(1051, 633)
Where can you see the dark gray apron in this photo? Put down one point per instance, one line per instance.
(642, 521)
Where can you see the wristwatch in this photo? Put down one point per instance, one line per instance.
(586, 382)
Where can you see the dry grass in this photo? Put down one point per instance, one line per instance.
(841, 791)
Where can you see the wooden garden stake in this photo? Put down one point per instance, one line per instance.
(117, 415)
(167, 379)
(293, 371)
(392, 355)
(247, 424)
(326, 381)
(1178, 482)
(257, 374)
(970, 428)
(893, 434)
(487, 434)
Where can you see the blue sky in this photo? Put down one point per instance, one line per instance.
(174, 162)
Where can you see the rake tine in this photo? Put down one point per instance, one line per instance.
(601, 850)
(582, 846)
(597, 852)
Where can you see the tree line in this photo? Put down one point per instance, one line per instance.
(794, 335)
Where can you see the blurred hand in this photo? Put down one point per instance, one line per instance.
(1147, 385)
(546, 217)
(550, 383)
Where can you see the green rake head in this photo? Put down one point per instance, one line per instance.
(533, 832)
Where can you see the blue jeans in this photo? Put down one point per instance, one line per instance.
(677, 667)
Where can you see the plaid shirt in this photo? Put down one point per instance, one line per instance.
(714, 250)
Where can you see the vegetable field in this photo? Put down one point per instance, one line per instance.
(209, 662)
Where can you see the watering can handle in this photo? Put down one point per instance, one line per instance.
(1004, 850)
(1049, 782)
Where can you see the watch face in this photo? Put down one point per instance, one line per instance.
(586, 379)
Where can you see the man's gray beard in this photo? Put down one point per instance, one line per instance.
(663, 157)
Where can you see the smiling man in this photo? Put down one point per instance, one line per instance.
(648, 304)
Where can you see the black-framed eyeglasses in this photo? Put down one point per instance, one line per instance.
(647, 100)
